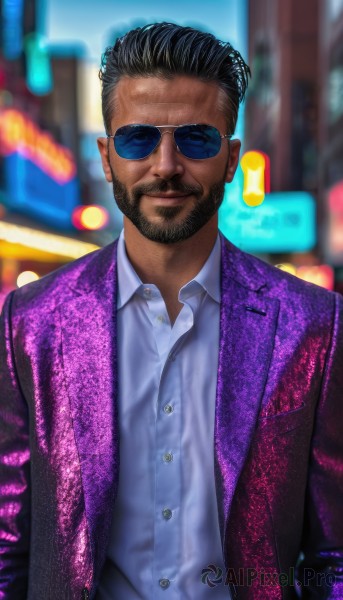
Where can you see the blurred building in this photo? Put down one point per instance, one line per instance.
(44, 177)
(282, 106)
(331, 131)
(294, 112)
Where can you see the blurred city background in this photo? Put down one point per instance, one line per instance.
(55, 204)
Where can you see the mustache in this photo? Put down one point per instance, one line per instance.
(166, 186)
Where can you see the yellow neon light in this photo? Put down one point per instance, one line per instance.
(288, 268)
(253, 165)
(19, 134)
(51, 243)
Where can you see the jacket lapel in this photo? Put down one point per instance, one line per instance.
(247, 330)
(89, 357)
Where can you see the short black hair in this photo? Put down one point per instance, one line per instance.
(166, 50)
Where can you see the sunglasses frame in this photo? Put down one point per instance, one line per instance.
(170, 127)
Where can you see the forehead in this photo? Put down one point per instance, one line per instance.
(178, 100)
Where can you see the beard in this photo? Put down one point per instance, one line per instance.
(169, 231)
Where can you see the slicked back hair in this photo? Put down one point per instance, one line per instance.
(166, 50)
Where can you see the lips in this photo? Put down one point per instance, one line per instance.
(167, 199)
(170, 195)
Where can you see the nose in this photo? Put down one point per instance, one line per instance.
(167, 159)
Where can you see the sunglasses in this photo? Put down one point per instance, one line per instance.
(135, 142)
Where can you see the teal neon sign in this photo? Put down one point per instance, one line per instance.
(284, 222)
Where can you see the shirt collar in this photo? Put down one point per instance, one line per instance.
(128, 280)
(208, 277)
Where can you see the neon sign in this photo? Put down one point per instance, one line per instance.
(256, 169)
(285, 222)
(334, 239)
(21, 135)
(12, 28)
(322, 275)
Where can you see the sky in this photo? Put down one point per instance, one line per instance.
(90, 23)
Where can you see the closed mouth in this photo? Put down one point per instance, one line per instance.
(170, 195)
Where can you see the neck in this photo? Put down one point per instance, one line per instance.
(169, 266)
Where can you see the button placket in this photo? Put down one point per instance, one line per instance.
(158, 317)
(168, 481)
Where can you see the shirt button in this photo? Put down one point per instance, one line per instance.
(167, 514)
(167, 457)
(160, 318)
(168, 409)
(164, 583)
(147, 292)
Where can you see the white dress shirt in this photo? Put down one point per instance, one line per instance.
(165, 520)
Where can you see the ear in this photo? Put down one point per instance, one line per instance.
(235, 146)
(105, 157)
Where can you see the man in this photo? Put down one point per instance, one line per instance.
(170, 405)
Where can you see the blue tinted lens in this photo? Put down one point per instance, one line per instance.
(198, 141)
(136, 141)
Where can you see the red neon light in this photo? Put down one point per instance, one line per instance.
(19, 134)
(266, 172)
(322, 275)
(336, 198)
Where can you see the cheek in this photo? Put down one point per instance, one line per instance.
(210, 173)
(129, 172)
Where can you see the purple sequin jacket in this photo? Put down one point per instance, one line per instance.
(278, 432)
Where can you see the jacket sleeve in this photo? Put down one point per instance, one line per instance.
(321, 571)
(14, 470)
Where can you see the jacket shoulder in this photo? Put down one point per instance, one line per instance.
(62, 284)
(254, 273)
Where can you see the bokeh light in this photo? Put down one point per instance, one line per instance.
(90, 217)
(26, 277)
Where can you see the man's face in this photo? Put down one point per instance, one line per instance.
(167, 196)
